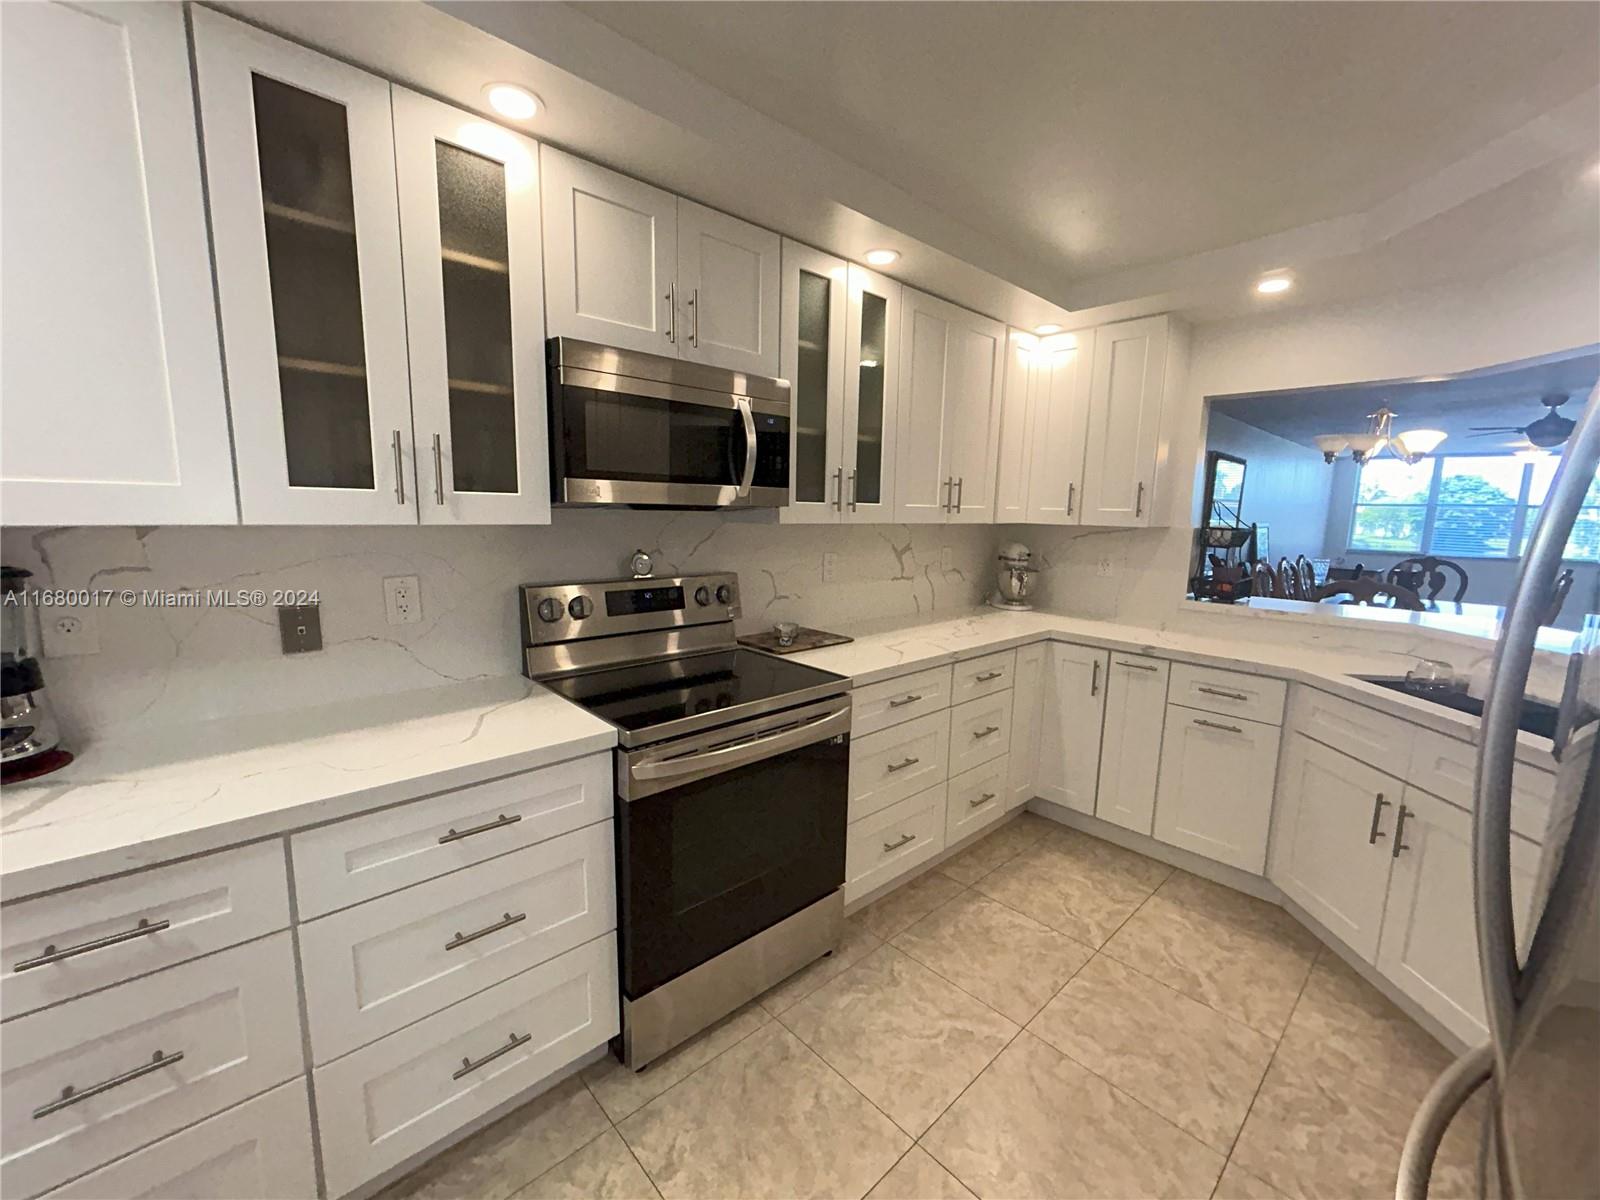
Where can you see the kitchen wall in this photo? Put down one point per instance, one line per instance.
(1286, 485)
(159, 665)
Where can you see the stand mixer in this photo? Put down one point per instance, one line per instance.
(1014, 577)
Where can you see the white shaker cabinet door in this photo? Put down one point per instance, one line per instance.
(1015, 458)
(929, 340)
(1136, 704)
(1027, 711)
(469, 225)
(111, 400)
(972, 416)
(1069, 736)
(728, 286)
(1126, 386)
(812, 354)
(610, 257)
(1060, 429)
(1215, 795)
(306, 221)
(872, 396)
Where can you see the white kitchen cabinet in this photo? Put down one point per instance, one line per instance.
(888, 766)
(610, 257)
(1127, 384)
(871, 396)
(1135, 707)
(729, 287)
(1069, 735)
(980, 730)
(811, 358)
(474, 296)
(299, 153)
(977, 799)
(893, 841)
(1429, 945)
(1331, 845)
(1027, 710)
(1215, 794)
(1044, 429)
(951, 365)
(111, 401)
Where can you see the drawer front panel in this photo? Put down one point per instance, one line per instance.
(898, 762)
(234, 1018)
(1374, 738)
(260, 1148)
(977, 799)
(207, 904)
(983, 676)
(889, 843)
(880, 705)
(380, 965)
(1445, 767)
(980, 731)
(1230, 693)
(350, 861)
(400, 1095)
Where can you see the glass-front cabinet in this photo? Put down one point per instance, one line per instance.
(871, 396)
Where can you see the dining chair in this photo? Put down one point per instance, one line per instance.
(1263, 580)
(1288, 581)
(1306, 574)
(1354, 572)
(1367, 591)
(1425, 574)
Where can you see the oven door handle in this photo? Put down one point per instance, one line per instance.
(764, 746)
(749, 446)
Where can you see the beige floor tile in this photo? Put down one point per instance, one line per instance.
(1036, 1124)
(498, 1161)
(905, 1038)
(918, 1177)
(1211, 955)
(1238, 1184)
(1141, 869)
(1194, 1066)
(766, 1118)
(857, 943)
(1264, 917)
(1075, 888)
(1001, 846)
(1009, 961)
(622, 1092)
(908, 904)
(605, 1169)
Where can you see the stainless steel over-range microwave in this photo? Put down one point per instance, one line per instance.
(638, 429)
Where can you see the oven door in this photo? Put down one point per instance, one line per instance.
(723, 834)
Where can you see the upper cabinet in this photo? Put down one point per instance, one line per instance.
(871, 395)
(951, 364)
(1126, 388)
(632, 266)
(1044, 429)
(111, 400)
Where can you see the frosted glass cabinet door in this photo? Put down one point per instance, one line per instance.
(469, 225)
(111, 401)
(813, 344)
(871, 396)
(300, 162)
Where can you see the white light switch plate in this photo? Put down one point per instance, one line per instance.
(402, 600)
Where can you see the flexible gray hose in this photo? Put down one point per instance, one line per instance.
(1438, 1108)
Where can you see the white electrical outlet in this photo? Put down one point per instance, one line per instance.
(68, 631)
(402, 599)
(947, 558)
(1104, 569)
(830, 562)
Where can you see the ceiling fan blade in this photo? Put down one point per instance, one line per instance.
(1484, 430)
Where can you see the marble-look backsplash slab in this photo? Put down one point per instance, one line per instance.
(157, 665)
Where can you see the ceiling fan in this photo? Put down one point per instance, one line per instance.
(1548, 432)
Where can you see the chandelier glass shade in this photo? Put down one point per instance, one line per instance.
(1409, 447)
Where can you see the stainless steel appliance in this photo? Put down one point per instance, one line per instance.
(29, 737)
(1014, 578)
(1541, 1064)
(642, 430)
(732, 780)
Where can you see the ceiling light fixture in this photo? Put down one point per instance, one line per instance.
(511, 100)
(882, 258)
(1410, 447)
(1274, 284)
(1047, 329)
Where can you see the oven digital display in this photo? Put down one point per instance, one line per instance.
(643, 600)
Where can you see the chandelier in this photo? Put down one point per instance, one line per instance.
(1410, 447)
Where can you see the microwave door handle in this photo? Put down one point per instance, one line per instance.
(744, 753)
(749, 446)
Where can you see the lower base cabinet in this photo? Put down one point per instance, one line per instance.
(1217, 777)
(889, 843)
(1136, 701)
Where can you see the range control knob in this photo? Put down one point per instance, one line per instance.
(724, 594)
(580, 607)
(549, 609)
(702, 595)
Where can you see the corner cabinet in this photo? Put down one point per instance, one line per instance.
(1027, 715)
(111, 402)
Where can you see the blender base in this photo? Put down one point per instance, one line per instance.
(1009, 605)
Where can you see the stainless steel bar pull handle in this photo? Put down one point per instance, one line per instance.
(672, 312)
(949, 487)
(1374, 833)
(980, 801)
(51, 954)
(438, 469)
(1217, 725)
(852, 489)
(961, 487)
(902, 765)
(399, 469)
(1071, 488)
(910, 698)
(1137, 666)
(838, 490)
(500, 822)
(461, 939)
(1094, 679)
(694, 318)
(987, 676)
(468, 1066)
(983, 733)
(905, 840)
(1400, 831)
(71, 1095)
(1211, 691)
(1138, 504)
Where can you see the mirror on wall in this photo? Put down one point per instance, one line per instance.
(1419, 494)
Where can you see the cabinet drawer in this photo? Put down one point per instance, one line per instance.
(400, 1095)
(1445, 767)
(983, 676)
(234, 1018)
(192, 908)
(977, 798)
(980, 730)
(380, 965)
(880, 705)
(261, 1148)
(1231, 693)
(898, 762)
(891, 842)
(342, 864)
(1363, 733)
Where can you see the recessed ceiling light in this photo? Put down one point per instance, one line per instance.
(1047, 329)
(510, 100)
(882, 258)
(1274, 284)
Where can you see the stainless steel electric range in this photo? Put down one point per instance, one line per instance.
(732, 776)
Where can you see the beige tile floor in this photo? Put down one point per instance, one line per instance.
(1045, 1015)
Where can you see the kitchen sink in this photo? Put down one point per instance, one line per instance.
(1537, 717)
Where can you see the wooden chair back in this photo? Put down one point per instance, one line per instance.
(1288, 581)
(1355, 572)
(1427, 575)
(1306, 575)
(1263, 580)
(1368, 591)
